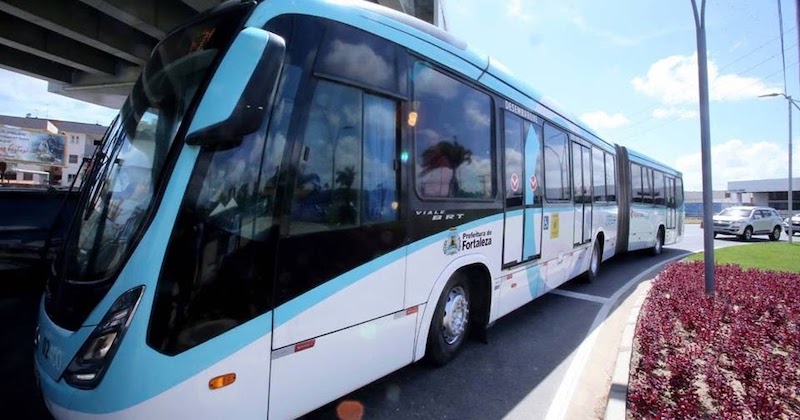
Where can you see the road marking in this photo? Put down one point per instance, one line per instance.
(560, 404)
(581, 296)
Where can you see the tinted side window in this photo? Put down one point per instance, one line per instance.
(354, 55)
(556, 164)
(647, 185)
(637, 192)
(346, 173)
(659, 189)
(611, 178)
(514, 157)
(453, 138)
(380, 154)
(210, 281)
(598, 175)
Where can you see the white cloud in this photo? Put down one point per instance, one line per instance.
(600, 120)
(21, 95)
(673, 81)
(736, 160)
(681, 114)
(515, 9)
(477, 115)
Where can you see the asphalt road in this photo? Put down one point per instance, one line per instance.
(516, 375)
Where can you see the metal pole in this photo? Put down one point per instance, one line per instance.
(789, 100)
(705, 149)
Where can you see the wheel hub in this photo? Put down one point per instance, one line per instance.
(456, 315)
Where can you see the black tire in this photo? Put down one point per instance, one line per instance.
(659, 245)
(443, 342)
(776, 233)
(594, 263)
(715, 235)
(748, 234)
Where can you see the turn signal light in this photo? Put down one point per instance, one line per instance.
(222, 381)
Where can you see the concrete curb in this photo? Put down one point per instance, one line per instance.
(616, 407)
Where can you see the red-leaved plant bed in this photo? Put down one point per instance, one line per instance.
(736, 355)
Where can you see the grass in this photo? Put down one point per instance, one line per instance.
(764, 256)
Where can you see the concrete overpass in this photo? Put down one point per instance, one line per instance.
(93, 50)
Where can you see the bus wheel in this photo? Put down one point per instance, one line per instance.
(659, 245)
(594, 263)
(450, 322)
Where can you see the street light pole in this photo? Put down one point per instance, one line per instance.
(705, 147)
(791, 103)
(789, 231)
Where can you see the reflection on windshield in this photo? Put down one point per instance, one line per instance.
(118, 203)
(735, 213)
(129, 166)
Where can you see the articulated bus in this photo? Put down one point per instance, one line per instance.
(298, 198)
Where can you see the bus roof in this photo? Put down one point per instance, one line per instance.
(436, 44)
(640, 158)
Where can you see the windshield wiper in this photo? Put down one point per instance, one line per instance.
(103, 168)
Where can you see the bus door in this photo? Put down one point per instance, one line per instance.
(581, 177)
(672, 214)
(341, 263)
(523, 218)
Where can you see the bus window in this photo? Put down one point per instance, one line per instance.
(611, 178)
(659, 189)
(647, 185)
(380, 179)
(453, 137)
(346, 174)
(209, 283)
(598, 176)
(637, 192)
(377, 59)
(514, 159)
(556, 164)
(327, 192)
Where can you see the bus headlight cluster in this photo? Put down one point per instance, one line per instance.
(90, 363)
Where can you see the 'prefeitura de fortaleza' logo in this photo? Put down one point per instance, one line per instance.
(451, 244)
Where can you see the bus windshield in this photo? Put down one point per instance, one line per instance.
(129, 167)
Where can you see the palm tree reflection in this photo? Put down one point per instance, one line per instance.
(446, 155)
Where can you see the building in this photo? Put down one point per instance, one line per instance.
(767, 192)
(721, 199)
(759, 192)
(60, 147)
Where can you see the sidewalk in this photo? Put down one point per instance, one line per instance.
(601, 391)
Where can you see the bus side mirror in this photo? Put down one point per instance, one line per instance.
(241, 91)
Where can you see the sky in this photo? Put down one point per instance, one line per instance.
(628, 70)
(624, 68)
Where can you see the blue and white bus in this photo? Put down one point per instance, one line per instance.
(299, 198)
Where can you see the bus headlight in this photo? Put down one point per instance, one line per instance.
(90, 363)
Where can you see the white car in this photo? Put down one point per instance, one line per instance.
(795, 224)
(745, 222)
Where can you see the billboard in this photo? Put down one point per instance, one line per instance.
(28, 146)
